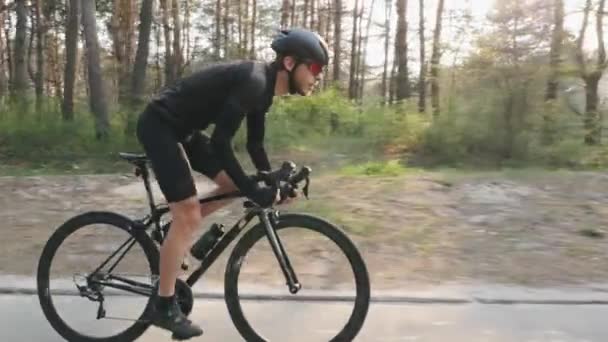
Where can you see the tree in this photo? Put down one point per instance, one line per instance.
(337, 38)
(422, 75)
(97, 98)
(176, 65)
(352, 84)
(435, 58)
(285, 10)
(218, 32)
(143, 50)
(401, 53)
(557, 39)
(388, 11)
(313, 5)
(226, 21)
(507, 59)
(71, 53)
(40, 46)
(3, 61)
(165, 6)
(122, 31)
(20, 84)
(253, 21)
(10, 63)
(363, 54)
(591, 73)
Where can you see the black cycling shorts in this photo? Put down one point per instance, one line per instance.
(164, 146)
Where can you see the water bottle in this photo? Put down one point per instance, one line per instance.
(207, 241)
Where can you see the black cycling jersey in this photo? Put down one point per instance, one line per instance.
(223, 94)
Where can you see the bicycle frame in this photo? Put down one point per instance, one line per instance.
(268, 217)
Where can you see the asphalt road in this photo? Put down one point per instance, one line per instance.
(22, 320)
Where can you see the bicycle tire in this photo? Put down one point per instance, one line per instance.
(44, 267)
(361, 307)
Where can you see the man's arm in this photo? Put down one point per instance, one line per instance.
(227, 124)
(256, 126)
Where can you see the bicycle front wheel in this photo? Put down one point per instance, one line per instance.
(92, 259)
(333, 301)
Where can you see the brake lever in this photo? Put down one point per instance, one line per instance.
(305, 188)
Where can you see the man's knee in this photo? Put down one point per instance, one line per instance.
(186, 214)
(224, 183)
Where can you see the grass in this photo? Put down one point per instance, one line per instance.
(337, 214)
(389, 168)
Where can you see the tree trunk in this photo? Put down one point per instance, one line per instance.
(337, 38)
(592, 116)
(226, 22)
(592, 74)
(293, 13)
(322, 13)
(177, 41)
(435, 60)
(122, 33)
(159, 72)
(3, 60)
(285, 10)
(239, 11)
(20, 84)
(130, 47)
(359, 68)
(246, 29)
(305, 21)
(313, 4)
(55, 65)
(98, 95)
(218, 32)
(422, 75)
(254, 8)
(548, 131)
(166, 5)
(71, 52)
(403, 91)
(364, 53)
(9, 52)
(186, 55)
(392, 88)
(353, 55)
(556, 49)
(30, 48)
(143, 50)
(40, 46)
(388, 11)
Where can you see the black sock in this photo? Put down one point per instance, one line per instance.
(164, 303)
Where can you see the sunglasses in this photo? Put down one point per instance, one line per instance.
(315, 68)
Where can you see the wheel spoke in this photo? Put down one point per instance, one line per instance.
(332, 305)
(121, 283)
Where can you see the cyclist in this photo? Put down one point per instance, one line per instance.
(170, 131)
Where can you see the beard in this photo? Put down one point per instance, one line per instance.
(305, 90)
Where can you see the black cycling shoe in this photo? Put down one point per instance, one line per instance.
(175, 321)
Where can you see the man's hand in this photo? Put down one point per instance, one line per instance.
(290, 198)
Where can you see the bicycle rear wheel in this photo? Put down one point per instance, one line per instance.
(70, 296)
(334, 299)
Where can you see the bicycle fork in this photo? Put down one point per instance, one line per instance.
(269, 219)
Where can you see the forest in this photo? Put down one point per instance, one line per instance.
(427, 82)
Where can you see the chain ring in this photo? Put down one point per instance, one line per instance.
(183, 294)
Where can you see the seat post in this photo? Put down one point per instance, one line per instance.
(145, 174)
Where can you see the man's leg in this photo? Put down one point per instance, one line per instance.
(186, 217)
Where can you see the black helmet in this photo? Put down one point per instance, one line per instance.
(302, 44)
